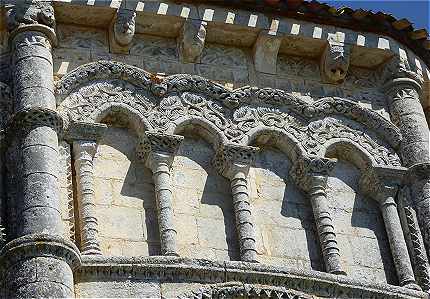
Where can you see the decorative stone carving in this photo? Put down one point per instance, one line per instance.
(122, 30)
(191, 41)
(311, 175)
(335, 62)
(417, 250)
(233, 114)
(158, 151)
(31, 12)
(32, 15)
(239, 290)
(84, 151)
(266, 50)
(233, 162)
(381, 184)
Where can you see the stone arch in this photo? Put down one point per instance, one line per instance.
(357, 218)
(205, 129)
(287, 212)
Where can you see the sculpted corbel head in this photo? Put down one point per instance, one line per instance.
(124, 26)
(25, 13)
(335, 62)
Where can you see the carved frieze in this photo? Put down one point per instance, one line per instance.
(233, 116)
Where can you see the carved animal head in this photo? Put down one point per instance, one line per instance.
(31, 13)
(124, 26)
(335, 63)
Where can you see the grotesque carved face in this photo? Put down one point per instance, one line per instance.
(124, 26)
(335, 63)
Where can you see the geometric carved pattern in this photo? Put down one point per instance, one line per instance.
(233, 116)
(238, 290)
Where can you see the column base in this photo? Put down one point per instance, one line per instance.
(38, 265)
(412, 286)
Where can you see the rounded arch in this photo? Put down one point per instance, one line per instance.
(200, 126)
(278, 138)
(136, 120)
(349, 151)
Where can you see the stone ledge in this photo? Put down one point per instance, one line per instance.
(171, 269)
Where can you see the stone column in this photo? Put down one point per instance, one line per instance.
(38, 262)
(158, 151)
(403, 92)
(382, 185)
(311, 176)
(233, 162)
(84, 138)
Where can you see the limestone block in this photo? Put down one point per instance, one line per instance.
(186, 228)
(120, 222)
(111, 246)
(215, 206)
(215, 233)
(131, 248)
(104, 191)
(172, 290)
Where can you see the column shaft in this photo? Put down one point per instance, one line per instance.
(160, 167)
(83, 154)
(397, 242)
(242, 211)
(325, 226)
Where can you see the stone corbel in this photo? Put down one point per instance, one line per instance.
(191, 41)
(334, 62)
(158, 151)
(233, 162)
(382, 184)
(84, 138)
(122, 30)
(311, 176)
(266, 50)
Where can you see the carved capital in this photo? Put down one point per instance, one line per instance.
(191, 41)
(84, 150)
(30, 118)
(122, 30)
(158, 143)
(397, 72)
(335, 62)
(306, 170)
(382, 183)
(232, 158)
(27, 15)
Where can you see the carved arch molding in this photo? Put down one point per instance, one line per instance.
(231, 117)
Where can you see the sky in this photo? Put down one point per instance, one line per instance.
(416, 11)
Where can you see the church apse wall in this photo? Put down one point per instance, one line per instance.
(191, 158)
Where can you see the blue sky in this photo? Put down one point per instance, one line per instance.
(416, 11)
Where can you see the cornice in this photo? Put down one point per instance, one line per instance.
(170, 269)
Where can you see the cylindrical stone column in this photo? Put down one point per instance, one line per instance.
(382, 184)
(324, 223)
(233, 162)
(403, 96)
(160, 164)
(38, 246)
(242, 211)
(397, 243)
(158, 151)
(311, 174)
(83, 152)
